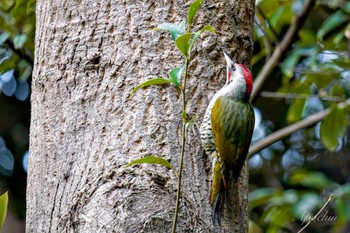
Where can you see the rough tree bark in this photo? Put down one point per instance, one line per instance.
(84, 128)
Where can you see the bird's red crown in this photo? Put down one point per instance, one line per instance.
(248, 77)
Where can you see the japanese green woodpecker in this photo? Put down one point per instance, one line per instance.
(226, 131)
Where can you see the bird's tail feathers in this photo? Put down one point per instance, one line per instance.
(216, 209)
(218, 188)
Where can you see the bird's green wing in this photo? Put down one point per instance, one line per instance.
(232, 126)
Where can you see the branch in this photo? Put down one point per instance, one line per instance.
(279, 95)
(287, 41)
(284, 132)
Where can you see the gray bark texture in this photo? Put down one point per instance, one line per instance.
(84, 128)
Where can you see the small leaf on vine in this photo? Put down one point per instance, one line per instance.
(193, 10)
(152, 160)
(187, 125)
(183, 43)
(175, 75)
(155, 81)
(174, 29)
(3, 37)
(198, 33)
(183, 116)
(183, 26)
(333, 127)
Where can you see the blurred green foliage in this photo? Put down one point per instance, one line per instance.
(3, 208)
(17, 28)
(17, 20)
(302, 171)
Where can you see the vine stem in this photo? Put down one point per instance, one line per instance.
(313, 219)
(184, 122)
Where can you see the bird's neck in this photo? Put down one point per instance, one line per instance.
(237, 89)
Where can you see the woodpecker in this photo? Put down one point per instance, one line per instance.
(226, 131)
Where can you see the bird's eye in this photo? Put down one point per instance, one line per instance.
(233, 68)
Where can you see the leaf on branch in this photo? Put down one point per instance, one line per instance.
(174, 29)
(197, 34)
(189, 123)
(332, 22)
(175, 75)
(333, 127)
(155, 81)
(183, 43)
(19, 41)
(324, 77)
(193, 10)
(3, 208)
(307, 203)
(309, 179)
(289, 64)
(295, 110)
(152, 160)
(3, 37)
(182, 25)
(261, 196)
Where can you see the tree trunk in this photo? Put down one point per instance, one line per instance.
(84, 128)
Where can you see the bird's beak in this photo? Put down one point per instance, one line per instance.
(228, 60)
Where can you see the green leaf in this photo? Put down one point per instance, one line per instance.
(338, 38)
(184, 116)
(343, 62)
(155, 81)
(331, 23)
(324, 77)
(3, 37)
(341, 203)
(275, 18)
(193, 10)
(306, 204)
(346, 7)
(283, 197)
(338, 89)
(309, 179)
(307, 37)
(281, 16)
(3, 208)
(9, 63)
(342, 207)
(183, 26)
(289, 64)
(174, 29)
(19, 41)
(260, 196)
(276, 217)
(333, 127)
(24, 69)
(197, 34)
(188, 124)
(175, 75)
(151, 160)
(183, 43)
(295, 110)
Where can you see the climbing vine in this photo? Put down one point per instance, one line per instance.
(184, 39)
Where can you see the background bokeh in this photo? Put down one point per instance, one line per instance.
(290, 180)
(17, 28)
